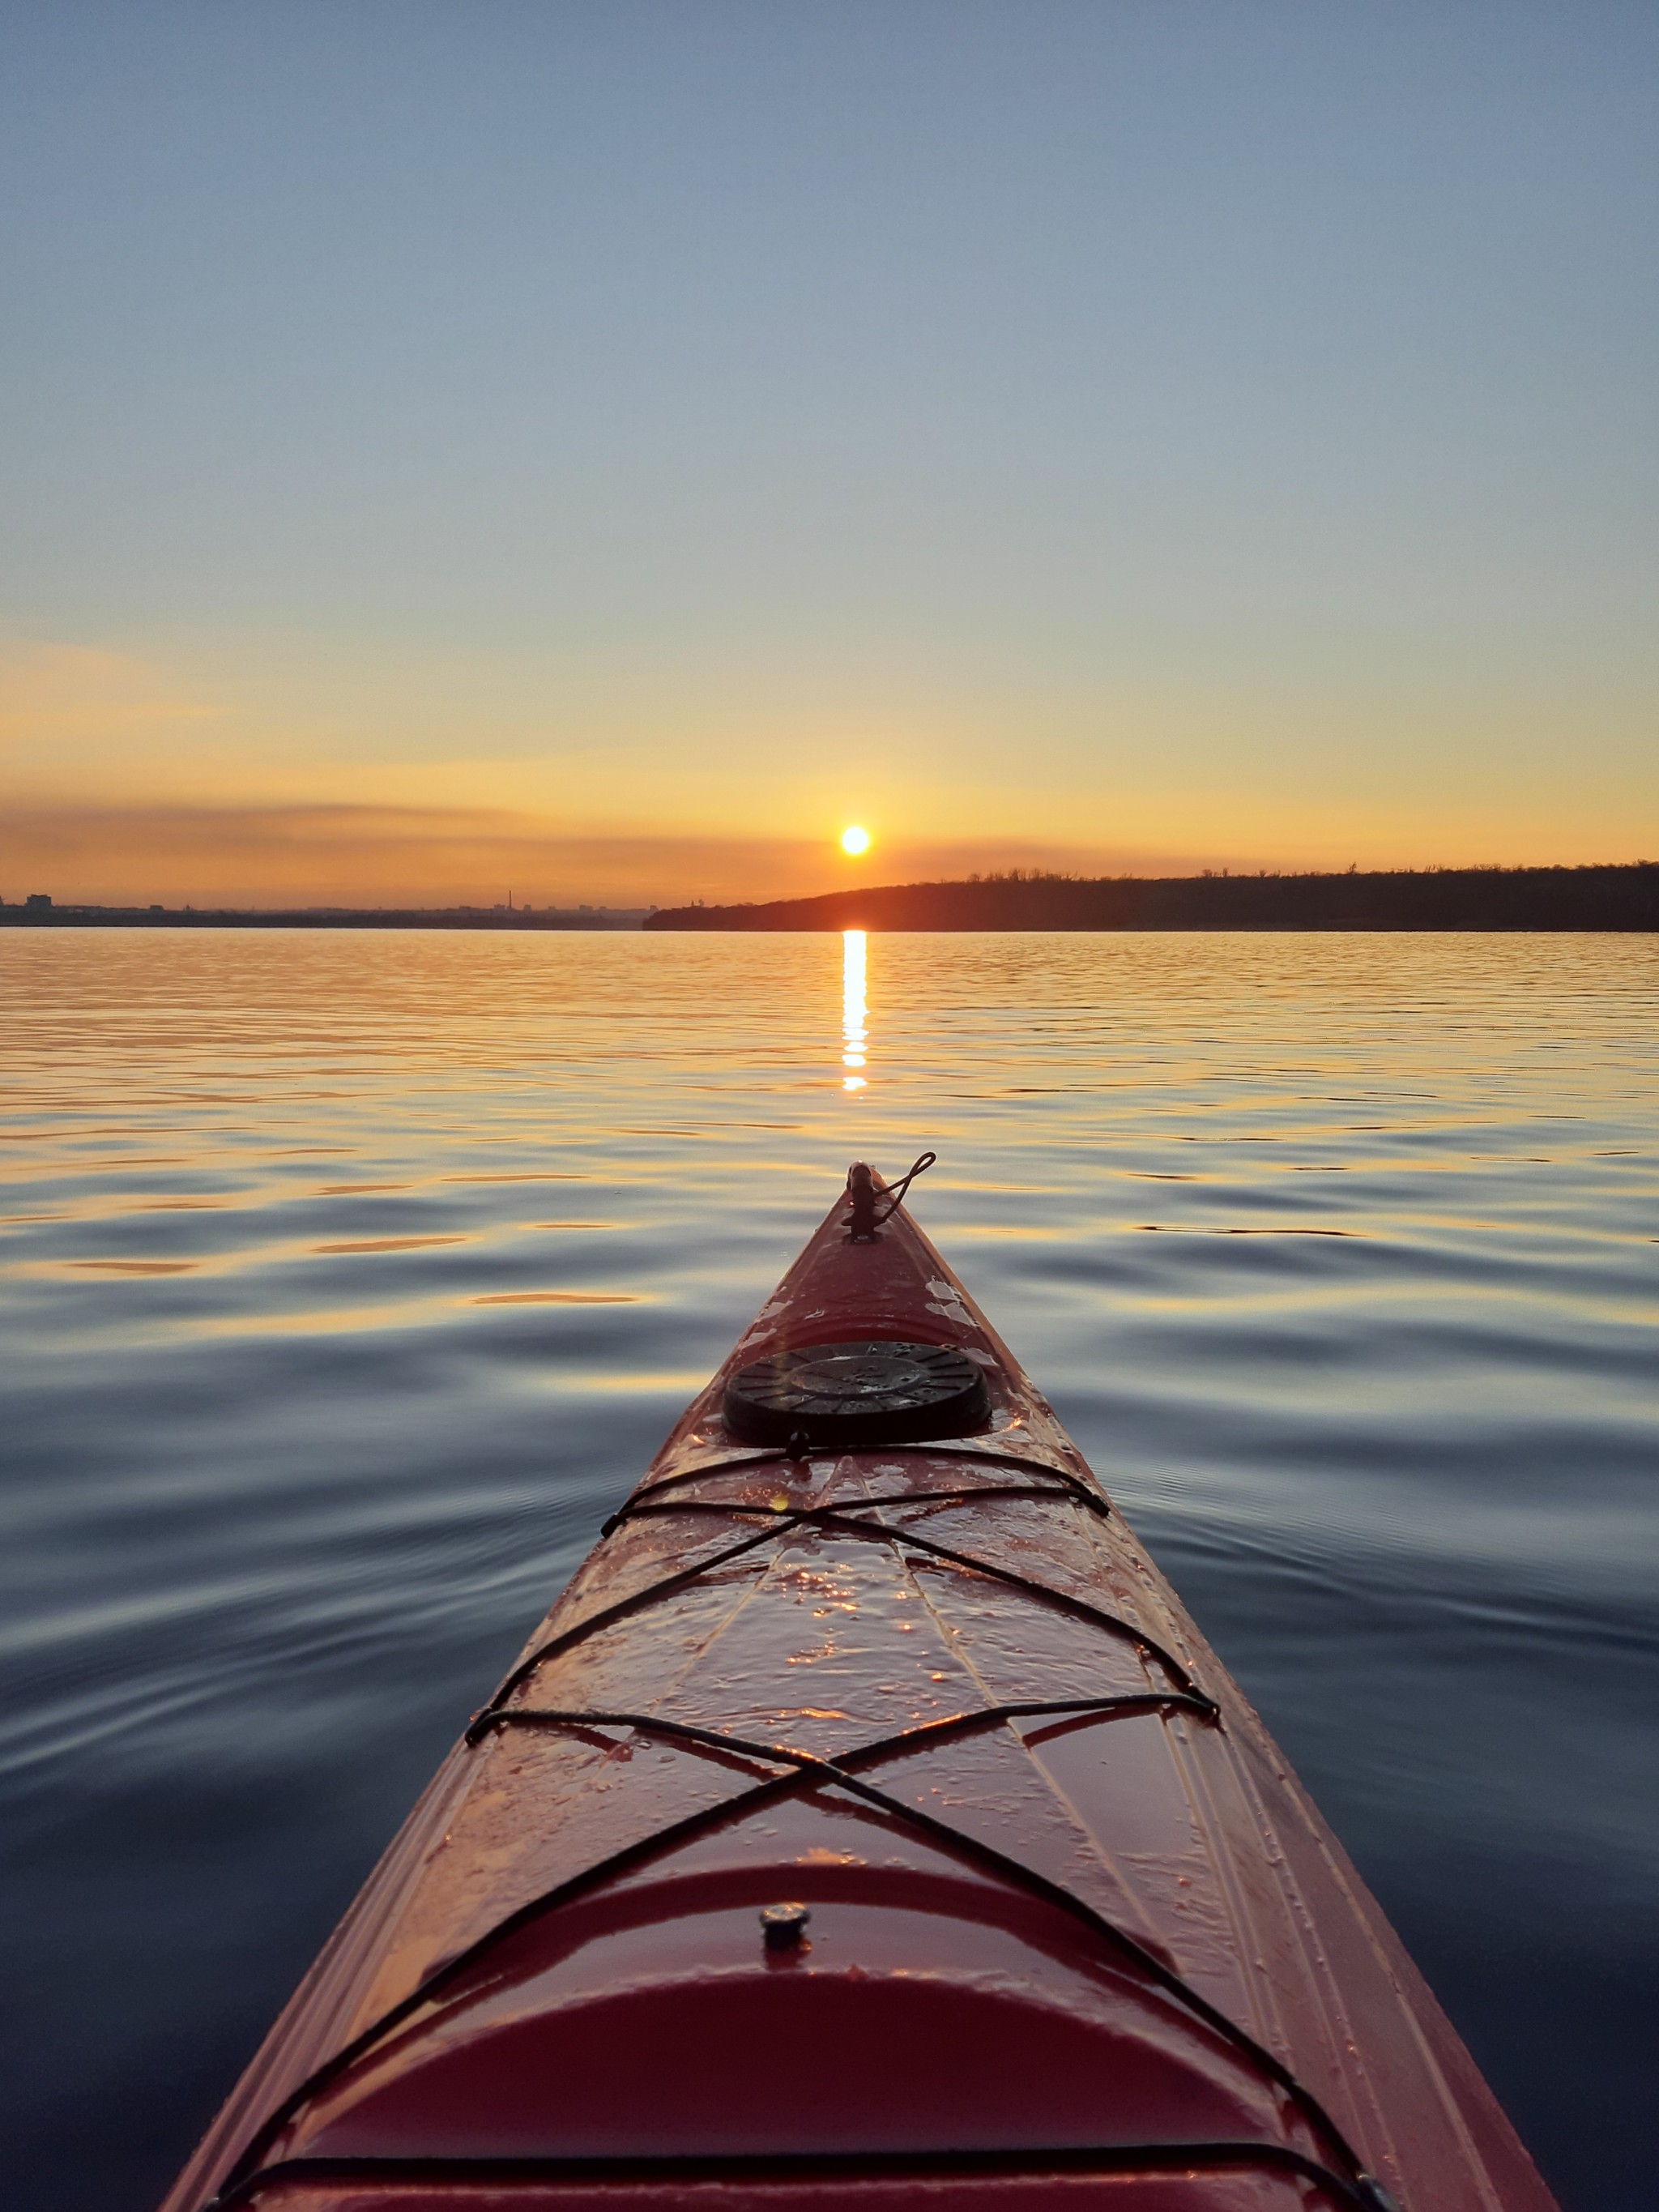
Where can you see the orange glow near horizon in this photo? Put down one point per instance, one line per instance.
(220, 778)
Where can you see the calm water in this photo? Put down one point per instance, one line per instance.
(349, 1280)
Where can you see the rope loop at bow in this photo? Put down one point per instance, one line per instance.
(864, 1220)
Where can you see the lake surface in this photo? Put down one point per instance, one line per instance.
(349, 1279)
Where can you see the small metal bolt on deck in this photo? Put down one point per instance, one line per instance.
(784, 1926)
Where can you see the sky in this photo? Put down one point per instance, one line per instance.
(597, 449)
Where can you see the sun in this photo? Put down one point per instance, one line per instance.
(854, 840)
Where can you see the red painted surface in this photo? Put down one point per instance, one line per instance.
(937, 2009)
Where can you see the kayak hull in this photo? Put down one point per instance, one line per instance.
(1063, 1926)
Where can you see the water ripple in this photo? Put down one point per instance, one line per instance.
(1336, 1253)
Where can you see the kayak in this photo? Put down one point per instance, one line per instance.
(868, 1826)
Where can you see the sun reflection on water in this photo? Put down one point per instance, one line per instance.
(854, 1032)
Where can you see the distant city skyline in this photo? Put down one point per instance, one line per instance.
(609, 450)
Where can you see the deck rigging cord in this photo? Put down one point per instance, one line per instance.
(845, 1520)
(760, 2167)
(777, 1772)
(864, 1221)
(1080, 1492)
(803, 1771)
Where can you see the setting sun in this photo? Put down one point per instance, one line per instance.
(855, 841)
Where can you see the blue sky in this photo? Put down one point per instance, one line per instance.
(652, 436)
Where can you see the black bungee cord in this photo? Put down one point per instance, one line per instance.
(864, 1220)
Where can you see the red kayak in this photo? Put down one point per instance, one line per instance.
(867, 1826)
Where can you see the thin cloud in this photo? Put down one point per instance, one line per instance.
(88, 696)
(366, 855)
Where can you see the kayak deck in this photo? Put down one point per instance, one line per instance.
(1049, 1921)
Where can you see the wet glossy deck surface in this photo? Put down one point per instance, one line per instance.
(349, 1288)
(1064, 1895)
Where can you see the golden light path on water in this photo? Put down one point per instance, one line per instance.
(854, 1033)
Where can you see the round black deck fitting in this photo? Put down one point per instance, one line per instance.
(871, 1392)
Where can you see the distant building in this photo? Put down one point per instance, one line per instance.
(40, 900)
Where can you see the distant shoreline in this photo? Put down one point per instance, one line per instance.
(1624, 898)
(484, 918)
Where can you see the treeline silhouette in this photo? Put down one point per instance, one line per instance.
(1624, 898)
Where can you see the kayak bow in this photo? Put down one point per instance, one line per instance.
(867, 1826)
